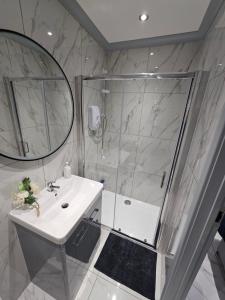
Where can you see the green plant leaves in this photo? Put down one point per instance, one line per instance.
(30, 199)
(26, 184)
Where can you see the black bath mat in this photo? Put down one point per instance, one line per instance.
(129, 264)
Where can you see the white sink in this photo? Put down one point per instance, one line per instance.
(56, 223)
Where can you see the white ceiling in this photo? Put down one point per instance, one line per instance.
(117, 20)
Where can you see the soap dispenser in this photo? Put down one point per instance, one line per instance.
(67, 170)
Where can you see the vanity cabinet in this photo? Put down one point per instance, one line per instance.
(60, 269)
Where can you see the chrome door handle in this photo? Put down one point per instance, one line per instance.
(163, 179)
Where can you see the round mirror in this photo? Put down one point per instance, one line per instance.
(36, 104)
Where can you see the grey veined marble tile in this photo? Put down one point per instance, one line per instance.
(181, 57)
(131, 113)
(128, 61)
(93, 56)
(108, 155)
(125, 181)
(146, 188)
(154, 156)
(113, 108)
(162, 115)
(99, 171)
(10, 16)
(128, 150)
(41, 16)
(212, 110)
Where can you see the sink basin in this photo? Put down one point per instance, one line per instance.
(60, 214)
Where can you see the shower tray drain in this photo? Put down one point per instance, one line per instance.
(65, 205)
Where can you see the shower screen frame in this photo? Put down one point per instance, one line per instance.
(194, 76)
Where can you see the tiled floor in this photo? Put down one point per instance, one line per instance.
(96, 285)
(209, 283)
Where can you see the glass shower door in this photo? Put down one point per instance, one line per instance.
(152, 114)
(133, 148)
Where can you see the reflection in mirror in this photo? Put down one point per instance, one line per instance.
(36, 106)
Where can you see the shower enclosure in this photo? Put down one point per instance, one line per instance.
(140, 121)
(39, 113)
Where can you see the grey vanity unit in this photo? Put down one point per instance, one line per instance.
(60, 269)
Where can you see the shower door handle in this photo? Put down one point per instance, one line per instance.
(26, 147)
(163, 179)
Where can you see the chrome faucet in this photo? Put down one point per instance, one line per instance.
(52, 187)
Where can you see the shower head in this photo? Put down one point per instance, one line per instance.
(104, 91)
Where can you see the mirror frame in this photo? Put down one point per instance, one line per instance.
(18, 158)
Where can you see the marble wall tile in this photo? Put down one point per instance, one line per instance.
(162, 115)
(184, 205)
(54, 164)
(134, 86)
(36, 138)
(65, 43)
(115, 86)
(125, 181)
(214, 44)
(71, 63)
(146, 188)
(154, 156)
(91, 148)
(109, 155)
(57, 135)
(93, 56)
(98, 171)
(30, 105)
(169, 58)
(25, 61)
(128, 150)
(131, 116)
(181, 57)
(113, 109)
(58, 101)
(5, 65)
(38, 18)
(8, 143)
(128, 61)
(212, 110)
(10, 16)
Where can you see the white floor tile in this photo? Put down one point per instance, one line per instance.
(105, 290)
(86, 287)
(35, 293)
(119, 285)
